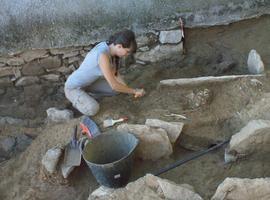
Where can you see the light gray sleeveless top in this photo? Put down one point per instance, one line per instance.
(89, 71)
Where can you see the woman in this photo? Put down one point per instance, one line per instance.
(99, 71)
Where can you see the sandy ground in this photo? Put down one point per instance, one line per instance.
(23, 178)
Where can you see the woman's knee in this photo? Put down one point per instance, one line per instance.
(87, 105)
(91, 110)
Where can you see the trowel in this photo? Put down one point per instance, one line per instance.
(72, 155)
(110, 122)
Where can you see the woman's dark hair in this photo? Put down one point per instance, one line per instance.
(126, 38)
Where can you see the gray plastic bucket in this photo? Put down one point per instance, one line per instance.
(110, 157)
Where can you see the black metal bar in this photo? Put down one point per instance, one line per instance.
(192, 157)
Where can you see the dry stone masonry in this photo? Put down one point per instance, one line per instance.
(37, 66)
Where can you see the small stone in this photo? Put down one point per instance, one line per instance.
(173, 129)
(51, 77)
(143, 49)
(51, 158)
(7, 144)
(255, 63)
(27, 80)
(57, 115)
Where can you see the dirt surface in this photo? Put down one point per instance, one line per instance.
(22, 177)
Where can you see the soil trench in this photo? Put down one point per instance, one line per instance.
(216, 120)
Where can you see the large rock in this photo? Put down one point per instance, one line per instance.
(56, 115)
(255, 136)
(171, 37)
(243, 189)
(159, 53)
(255, 63)
(154, 142)
(148, 187)
(173, 129)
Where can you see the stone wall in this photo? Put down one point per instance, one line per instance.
(38, 66)
(26, 24)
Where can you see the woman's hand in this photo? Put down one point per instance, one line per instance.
(139, 93)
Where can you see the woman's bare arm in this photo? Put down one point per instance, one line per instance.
(108, 72)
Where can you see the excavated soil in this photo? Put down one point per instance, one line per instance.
(22, 176)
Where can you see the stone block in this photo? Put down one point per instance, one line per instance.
(254, 137)
(154, 142)
(243, 189)
(159, 53)
(147, 187)
(170, 37)
(30, 55)
(173, 129)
